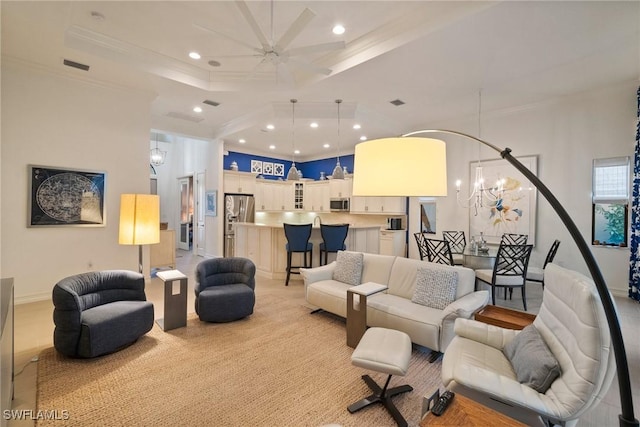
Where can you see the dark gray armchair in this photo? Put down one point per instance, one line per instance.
(100, 312)
(225, 289)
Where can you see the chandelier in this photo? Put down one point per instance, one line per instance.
(293, 174)
(481, 194)
(338, 172)
(157, 156)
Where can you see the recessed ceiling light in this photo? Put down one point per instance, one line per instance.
(314, 125)
(197, 109)
(272, 147)
(214, 63)
(326, 145)
(356, 126)
(363, 138)
(194, 55)
(296, 151)
(338, 30)
(242, 141)
(270, 127)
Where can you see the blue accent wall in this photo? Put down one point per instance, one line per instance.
(309, 169)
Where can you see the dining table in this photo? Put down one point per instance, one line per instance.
(478, 259)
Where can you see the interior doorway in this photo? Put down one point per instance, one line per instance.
(199, 236)
(185, 219)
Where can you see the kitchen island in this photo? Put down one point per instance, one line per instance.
(265, 246)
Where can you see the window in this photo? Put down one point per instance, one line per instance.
(610, 201)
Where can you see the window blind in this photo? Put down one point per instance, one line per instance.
(611, 180)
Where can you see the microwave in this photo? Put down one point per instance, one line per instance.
(339, 204)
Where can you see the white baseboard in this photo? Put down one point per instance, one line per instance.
(25, 299)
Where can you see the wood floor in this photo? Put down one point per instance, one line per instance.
(34, 332)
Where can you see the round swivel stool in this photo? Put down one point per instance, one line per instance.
(386, 351)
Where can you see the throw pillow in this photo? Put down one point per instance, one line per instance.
(435, 287)
(533, 362)
(349, 267)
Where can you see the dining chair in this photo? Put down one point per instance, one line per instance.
(333, 237)
(457, 242)
(536, 274)
(422, 246)
(298, 236)
(514, 239)
(438, 251)
(509, 270)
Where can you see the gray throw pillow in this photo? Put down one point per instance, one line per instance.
(349, 267)
(435, 287)
(533, 362)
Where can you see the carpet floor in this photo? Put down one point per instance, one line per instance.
(282, 366)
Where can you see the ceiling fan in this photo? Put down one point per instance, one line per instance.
(276, 53)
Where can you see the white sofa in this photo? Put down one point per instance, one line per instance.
(428, 327)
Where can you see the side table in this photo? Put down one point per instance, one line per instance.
(357, 310)
(463, 411)
(504, 317)
(175, 300)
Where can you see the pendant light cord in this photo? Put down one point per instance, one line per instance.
(338, 101)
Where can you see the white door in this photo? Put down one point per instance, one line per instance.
(184, 233)
(200, 209)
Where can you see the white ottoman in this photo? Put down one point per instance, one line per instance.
(387, 351)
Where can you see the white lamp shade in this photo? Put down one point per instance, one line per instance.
(410, 167)
(139, 219)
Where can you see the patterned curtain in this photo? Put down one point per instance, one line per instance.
(634, 262)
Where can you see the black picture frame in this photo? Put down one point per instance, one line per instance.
(66, 197)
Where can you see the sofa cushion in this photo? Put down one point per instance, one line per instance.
(533, 362)
(348, 267)
(377, 268)
(435, 287)
(402, 280)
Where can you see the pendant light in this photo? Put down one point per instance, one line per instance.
(293, 174)
(157, 156)
(338, 173)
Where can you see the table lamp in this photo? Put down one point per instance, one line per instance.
(416, 166)
(139, 221)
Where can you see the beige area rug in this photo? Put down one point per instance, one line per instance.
(280, 367)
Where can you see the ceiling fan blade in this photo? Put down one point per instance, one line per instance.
(323, 47)
(248, 16)
(257, 68)
(218, 33)
(284, 77)
(298, 25)
(309, 67)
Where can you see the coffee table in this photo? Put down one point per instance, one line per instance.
(504, 317)
(463, 411)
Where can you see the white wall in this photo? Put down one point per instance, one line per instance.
(49, 119)
(566, 134)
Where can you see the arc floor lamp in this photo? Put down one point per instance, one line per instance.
(416, 166)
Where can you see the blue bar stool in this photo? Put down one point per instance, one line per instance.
(298, 241)
(333, 236)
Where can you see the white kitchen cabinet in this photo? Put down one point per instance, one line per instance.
(340, 188)
(239, 182)
(364, 240)
(316, 196)
(378, 205)
(274, 196)
(393, 242)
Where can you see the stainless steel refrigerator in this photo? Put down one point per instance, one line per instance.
(237, 208)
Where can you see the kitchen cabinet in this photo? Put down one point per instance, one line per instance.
(340, 188)
(239, 182)
(316, 196)
(278, 196)
(163, 254)
(378, 205)
(364, 240)
(393, 242)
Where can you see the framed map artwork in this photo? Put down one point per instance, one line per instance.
(66, 197)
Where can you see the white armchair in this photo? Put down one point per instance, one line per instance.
(572, 323)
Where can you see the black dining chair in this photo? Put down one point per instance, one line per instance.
(509, 270)
(457, 242)
(536, 274)
(422, 246)
(514, 239)
(333, 237)
(438, 251)
(298, 236)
